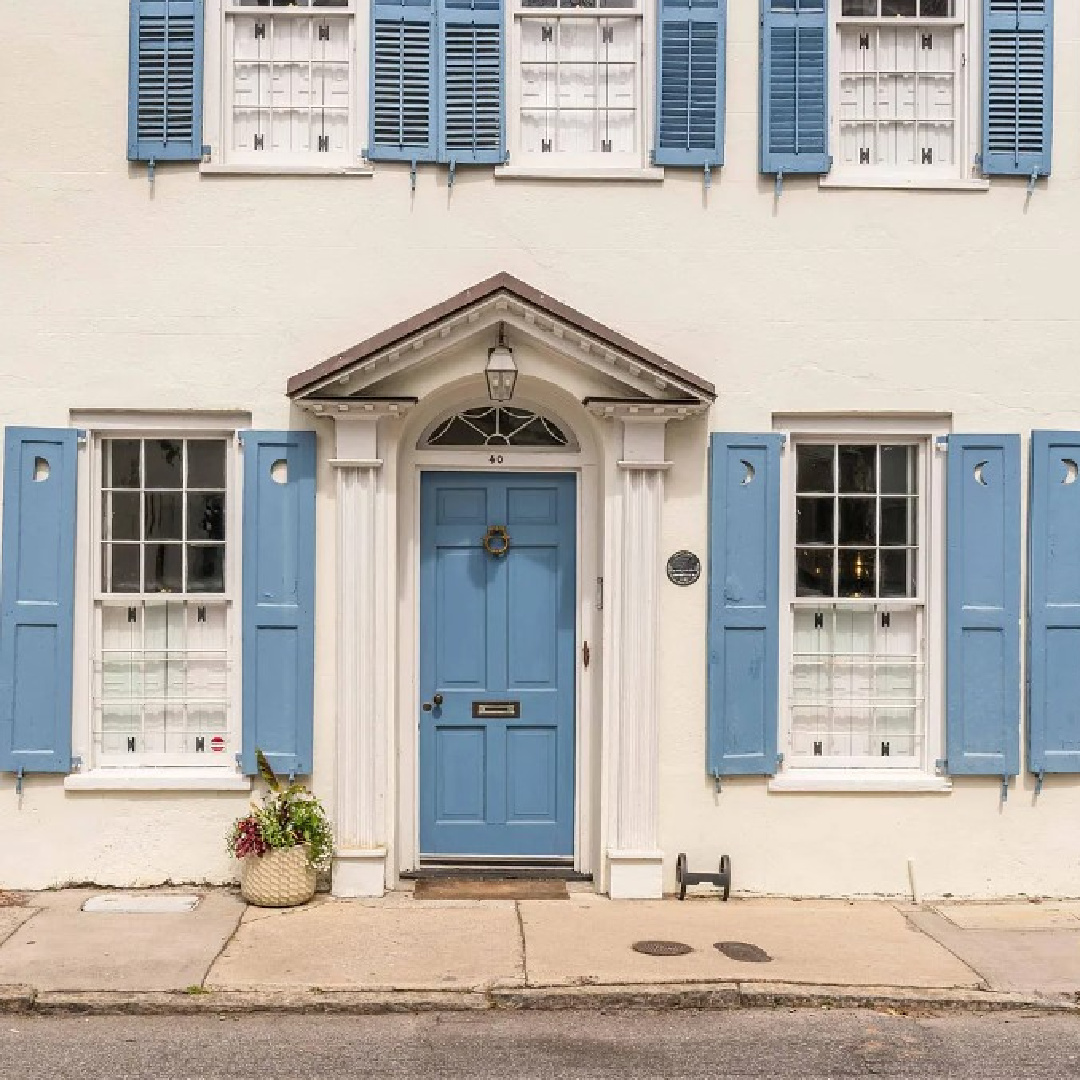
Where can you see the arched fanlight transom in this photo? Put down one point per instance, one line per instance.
(497, 425)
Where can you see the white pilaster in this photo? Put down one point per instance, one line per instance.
(635, 862)
(362, 791)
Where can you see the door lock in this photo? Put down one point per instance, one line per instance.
(436, 701)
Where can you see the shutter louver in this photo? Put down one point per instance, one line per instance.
(690, 82)
(1054, 604)
(37, 602)
(794, 87)
(982, 618)
(1017, 86)
(166, 75)
(472, 82)
(402, 82)
(744, 604)
(278, 599)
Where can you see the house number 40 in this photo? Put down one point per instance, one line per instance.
(496, 459)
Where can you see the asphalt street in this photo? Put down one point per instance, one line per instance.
(751, 1043)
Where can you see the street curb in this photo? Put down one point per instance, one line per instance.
(706, 996)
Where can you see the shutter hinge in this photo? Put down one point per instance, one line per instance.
(1004, 789)
(978, 162)
(708, 176)
(715, 774)
(18, 780)
(779, 182)
(1032, 181)
(942, 443)
(941, 766)
(151, 165)
(292, 776)
(779, 760)
(599, 594)
(412, 175)
(76, 763)
(1039, 781)
(450, 174)
(239, 761)
(207, 152)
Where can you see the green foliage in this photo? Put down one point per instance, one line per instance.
(286, 817)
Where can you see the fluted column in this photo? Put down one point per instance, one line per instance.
(635, 862)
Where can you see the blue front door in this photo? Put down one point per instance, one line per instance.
(497, 665)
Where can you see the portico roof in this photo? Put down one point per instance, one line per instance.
(505, 293)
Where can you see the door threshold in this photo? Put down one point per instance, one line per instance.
(520, 869)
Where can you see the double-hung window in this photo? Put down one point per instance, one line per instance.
(858, 609)
(901, 72)
(162, 685)
(288, 79)
(578, 83)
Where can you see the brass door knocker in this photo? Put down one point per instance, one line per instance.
(497, 540)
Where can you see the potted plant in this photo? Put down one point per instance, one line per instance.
(281, 843)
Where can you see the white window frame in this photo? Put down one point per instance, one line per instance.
(961, 174)
(595, 163)
(217, 99)
(801, 774)
(219, 771)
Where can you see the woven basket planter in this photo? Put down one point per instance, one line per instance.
(280, 878)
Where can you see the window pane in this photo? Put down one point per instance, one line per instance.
(898, 572)
(857, 573)
(814, 572)
(164, 512)
(814, 469)
(858, 469)
(206, 515)
(120, 568)
(859, 7)
(814, 521)
(936, 9)
(206, 568)
(164, 463)
(206, 463)
(898, 470)
(120, 516)
(121, 463)
(858, 521)
(898, 521)
(162, 564)
(898, 7)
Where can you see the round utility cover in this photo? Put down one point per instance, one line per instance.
(661, 948)
(743, 950)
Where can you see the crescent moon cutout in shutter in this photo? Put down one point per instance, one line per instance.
(979, 473)
(749, 477)
(1071, 471)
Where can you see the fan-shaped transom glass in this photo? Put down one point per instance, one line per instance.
(497, 425)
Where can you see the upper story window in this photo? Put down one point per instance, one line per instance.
(288, 82)
(577, 72)
(900, 74)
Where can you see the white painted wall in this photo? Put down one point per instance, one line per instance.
(210, 291)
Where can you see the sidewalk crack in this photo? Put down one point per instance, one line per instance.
(521, 938)
(906, 915)
(224, 945)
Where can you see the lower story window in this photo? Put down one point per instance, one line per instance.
(162, 672)
(858, 617)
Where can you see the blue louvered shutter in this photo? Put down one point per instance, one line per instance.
(278, 599)
(165, 80)
(794, 86)
(690, 78)
(1018, 55)
(744, 608)
(38, 594)
(982, 618)
(1054, 603)
(471, 82)
(403, 78)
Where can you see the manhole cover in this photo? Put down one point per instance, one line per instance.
(661, 948)
(743, 950)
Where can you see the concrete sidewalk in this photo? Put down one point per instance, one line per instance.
(400, 953)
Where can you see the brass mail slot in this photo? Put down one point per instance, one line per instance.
(496, 710)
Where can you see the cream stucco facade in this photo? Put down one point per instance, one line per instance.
(204, 292)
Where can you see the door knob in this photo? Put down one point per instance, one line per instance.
(438, 699)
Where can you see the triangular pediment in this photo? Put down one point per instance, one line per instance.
(631, 373)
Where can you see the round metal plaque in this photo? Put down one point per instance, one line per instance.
(661, 948)
(683, 568)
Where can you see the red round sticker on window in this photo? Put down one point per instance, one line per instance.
(217, 744)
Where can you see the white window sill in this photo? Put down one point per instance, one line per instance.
(858, 780)
(178, 779)
(901, 183)
(532, 172)
(210, 169)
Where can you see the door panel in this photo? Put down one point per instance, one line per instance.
(497, 629)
